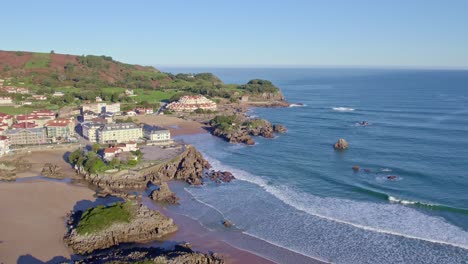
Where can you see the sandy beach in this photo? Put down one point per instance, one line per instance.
(37, 159)
(32, 218)
(177, 126)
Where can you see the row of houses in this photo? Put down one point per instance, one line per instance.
(38, 127)
(191, 103)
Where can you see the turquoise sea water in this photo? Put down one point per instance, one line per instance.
(295, 191)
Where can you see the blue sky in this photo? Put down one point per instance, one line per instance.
(397, 33)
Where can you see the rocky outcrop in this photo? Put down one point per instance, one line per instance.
(279, 128)
(181, 253)
(220, 176)
(260, 127)
(341, 144)
(244, 133)
(164, 195)
(236, 136)
(52, 171)
(145, 225)
(189, 166)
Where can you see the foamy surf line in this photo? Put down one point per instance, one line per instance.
(343, 109)
(286, 198)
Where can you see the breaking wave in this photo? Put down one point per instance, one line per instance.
(343, 109)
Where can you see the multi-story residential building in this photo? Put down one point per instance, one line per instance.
(89, 130)
(119, 132)
(63, 128)
(58, 94)
(4, 145)
(191, 103)
(156, 134)
(5, 100)
(113, 108)
(28, 136)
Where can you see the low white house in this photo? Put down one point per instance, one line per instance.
(156, 134)
(110, 153)
(127, 147)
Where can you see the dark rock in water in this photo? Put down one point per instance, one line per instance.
(341, 144)
(52, 171)
(367, 170)
(355, 168)
(392, 177)
(180, 254)
(220, 176)
(279, 128)
(227, 223)
(164, 195)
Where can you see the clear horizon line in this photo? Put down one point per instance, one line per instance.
(303, 66)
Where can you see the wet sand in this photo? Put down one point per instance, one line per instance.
(33, 218)
(37, 159)
(177, 126)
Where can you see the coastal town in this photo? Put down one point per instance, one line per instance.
(97, 122)
(76, 141)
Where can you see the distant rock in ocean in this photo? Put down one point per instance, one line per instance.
(341, 144)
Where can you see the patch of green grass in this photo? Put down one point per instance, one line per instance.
(113, 89)
(15, 111)
(38, 60)
(152, 96)
(98, 218)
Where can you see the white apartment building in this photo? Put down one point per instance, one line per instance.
(119, 132)
(89, 130)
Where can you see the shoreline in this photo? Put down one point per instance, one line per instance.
(232, 238)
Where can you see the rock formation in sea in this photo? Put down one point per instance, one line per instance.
(164, 195)
(181, 253)
(220, 176)
(239, 129)
(279, 128)
(341, 144)
(145, 225)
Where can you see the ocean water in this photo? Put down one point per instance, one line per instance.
(296, 192)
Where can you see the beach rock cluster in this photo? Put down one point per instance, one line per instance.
(220, 176)
(52, 171)
(145, 225)
(341, 144)
(181, 253)
(164, 195)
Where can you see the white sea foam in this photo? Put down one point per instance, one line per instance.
(393, 219)
(392, 199)
(343, 109)
(385, 169)
(297, 105)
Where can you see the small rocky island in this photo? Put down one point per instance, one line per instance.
(241, 129)
(103, 227)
